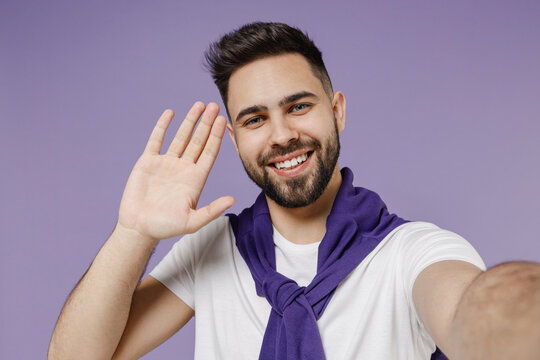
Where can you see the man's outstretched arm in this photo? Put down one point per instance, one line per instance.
(499, 315)
(159, 202)
(481, 315)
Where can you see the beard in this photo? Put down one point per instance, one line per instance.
(303, 189)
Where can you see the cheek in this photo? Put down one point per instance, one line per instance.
(248, 149)
(319, 131)
(319, 123)
(251, 143)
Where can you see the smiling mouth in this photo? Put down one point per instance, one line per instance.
(292, 162)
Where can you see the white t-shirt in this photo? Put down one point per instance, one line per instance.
(370, 316)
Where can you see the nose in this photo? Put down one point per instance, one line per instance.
(283, 131)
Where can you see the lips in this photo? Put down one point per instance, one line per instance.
(291, 162)
(291, 165)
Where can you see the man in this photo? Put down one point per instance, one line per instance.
(315, 269)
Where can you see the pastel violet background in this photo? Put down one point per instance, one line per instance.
(443, 122)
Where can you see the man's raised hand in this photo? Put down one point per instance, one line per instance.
(161, 194)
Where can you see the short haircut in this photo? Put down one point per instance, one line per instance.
(256, 41)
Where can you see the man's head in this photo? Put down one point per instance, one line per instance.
(284, 117)
(256, 41)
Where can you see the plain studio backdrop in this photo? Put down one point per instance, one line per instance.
(443, 121)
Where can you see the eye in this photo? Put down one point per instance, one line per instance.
(253, 121)
(299, 107)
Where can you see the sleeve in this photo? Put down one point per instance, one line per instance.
(424, 244)
(178, 269)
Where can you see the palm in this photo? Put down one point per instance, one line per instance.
(162, 192)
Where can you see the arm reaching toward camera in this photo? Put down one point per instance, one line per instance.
(473, 314)
(159, 202)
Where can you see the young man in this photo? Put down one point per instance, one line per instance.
(315, 269)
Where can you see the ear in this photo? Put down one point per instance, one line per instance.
(231, 135)
(339, 107)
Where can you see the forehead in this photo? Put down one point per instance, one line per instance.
(268, 80)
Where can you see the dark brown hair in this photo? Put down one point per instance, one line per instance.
(259, 40)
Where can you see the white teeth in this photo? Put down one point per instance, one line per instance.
(287, 164)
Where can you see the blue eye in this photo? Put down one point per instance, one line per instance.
(253, 121)
(299, 107)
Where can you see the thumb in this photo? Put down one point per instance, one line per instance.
(212, 211)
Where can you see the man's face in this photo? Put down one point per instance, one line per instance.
(285, 129)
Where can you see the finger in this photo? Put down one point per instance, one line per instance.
(211, 149)
(212, 211)
(156, 137)
(180, 140)
(198, 140)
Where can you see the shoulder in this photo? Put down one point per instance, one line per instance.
(419, 236)
(188, 253)
(193, 246)
(413, 246)
(420, 244)
(416, 229)
(426, 242)
(214, 228)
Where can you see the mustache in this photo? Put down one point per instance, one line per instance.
(311, 144)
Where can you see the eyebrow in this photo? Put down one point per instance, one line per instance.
(292, 98)
(250, 110)
(286, 100)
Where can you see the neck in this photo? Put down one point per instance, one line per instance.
(306, 225)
